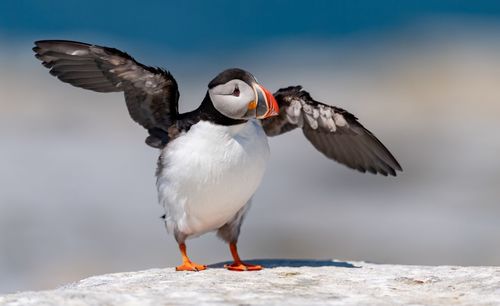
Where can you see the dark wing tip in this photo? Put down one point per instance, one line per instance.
(397, 167)
(392, 164)
(352, 145)
(59, 41)
(357, 149)
(388, 163)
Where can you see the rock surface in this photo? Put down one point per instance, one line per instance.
(286, 282)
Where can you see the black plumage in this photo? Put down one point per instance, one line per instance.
(331, 130)
(152, 96)
(207, 177)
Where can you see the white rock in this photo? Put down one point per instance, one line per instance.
(285, 282)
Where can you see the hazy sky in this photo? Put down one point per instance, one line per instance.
(77, 192)
(195, 26)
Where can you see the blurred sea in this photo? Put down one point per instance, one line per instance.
(78, 195)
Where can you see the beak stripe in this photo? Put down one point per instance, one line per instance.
(266, 103)
(252, 105)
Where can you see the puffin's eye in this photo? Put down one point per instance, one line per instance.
(236, 91)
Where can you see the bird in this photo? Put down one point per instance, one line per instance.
(213, 158)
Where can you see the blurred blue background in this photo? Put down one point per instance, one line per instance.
(77, 194)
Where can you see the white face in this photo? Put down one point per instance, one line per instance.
(232, 98)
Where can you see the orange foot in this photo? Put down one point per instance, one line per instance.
(190, 266)
(240, 266)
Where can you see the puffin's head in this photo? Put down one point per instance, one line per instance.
(236, 94)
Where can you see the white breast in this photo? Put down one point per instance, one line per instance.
(210, 173)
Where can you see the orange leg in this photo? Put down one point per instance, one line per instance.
(187, 264)
(239, 265)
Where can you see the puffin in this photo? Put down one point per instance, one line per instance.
(212, 159)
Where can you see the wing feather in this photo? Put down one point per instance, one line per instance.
(331, 130)
(151, 94)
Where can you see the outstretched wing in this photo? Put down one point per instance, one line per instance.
(151, 94)
(331, 130)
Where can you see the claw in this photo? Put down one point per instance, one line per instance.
(187, 264)
(239, 265)
(190, 266)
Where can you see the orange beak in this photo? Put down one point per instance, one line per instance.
(265, 104)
